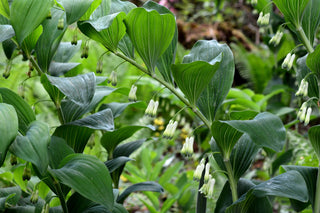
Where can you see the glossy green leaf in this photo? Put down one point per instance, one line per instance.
(310, 177)
(144, 186)
(118, 108)
(150, 41)
(314, 136)
(72, 111)
(58, 69)
(75, 9)
(24, 111)
(311, 19)
(110, 140)
(115, 163)
(127, 149)
(313, 60)
(50, 39)
(76, 171)
(58, 150)
(8, 128)
(77, 203)
(194, 77)
(243, 115)
(8, 47)
(102, 10)
(54, 93)
(225, 136)
(302, 72)
(6, 32)
(30, 41)
(214, 94)
(108, 30)
(34, 146)
(79, 89)
(4, 8)
(94, 5)
(66, 51)
(292, 10)
(27, 15)
(168, 58)
(265, 130)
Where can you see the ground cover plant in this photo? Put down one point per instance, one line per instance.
(76, 151)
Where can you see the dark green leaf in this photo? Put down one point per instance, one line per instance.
(265, 130)
(27, 15)
(115, 163)
(77, 172)
(108, 30)
(77, 203)
(66, 51)
(58, 69)
(6, 32)
(110, 140)
(311, 19)
(314, 136)
(58, 150)
(194, 77)
(11, 194)
(214, 94)
(243, 115)
(8, 128)
(283, 158)
(34, 146)
(50, 39)
(144, 186)
(302, 72)
(127, 149)
(54, 93)
(24, 111)
(118, 108)
(150, 41)
(225, 136)
(75, 9)
(313, 60)
(8, 47)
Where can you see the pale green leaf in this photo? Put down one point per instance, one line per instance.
(102, 10)
(313, 61)
(94, 5)
(6, 32)
(314, 136)
(4, 8)
(311, 19)
(75, 9)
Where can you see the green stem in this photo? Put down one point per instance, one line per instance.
(317, 197)
(305, 40)
(60, 194)
(168, 86)
(35, 65)
(60, 114)
(232, 180)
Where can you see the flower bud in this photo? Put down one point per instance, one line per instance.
(307, 120)
(303, 88)
(85, 51)
(155, 108)
(45, 208)
(275, 40)
(263, 20)
(149, 109)
(286, 61)
(74, 40)
(254, 2)
(187, 149)
(26, 174)
(13, 160)
(34, 196)
(207, 173)
(210, 190)
(60, 24)
(132, 94)
(99, 66)
(302, 112)
(49, 16)
(197, 174)
(170, 129)
(113, 78)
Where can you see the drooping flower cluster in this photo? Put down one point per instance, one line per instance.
(170, 129)
(304, 113)
(303, 88)
(288, 61)
(152, 108)
(263, 20)
(208, 187)
(187, 149)
(275, 40)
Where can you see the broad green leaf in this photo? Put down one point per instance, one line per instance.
(168, 58)
(302, 72)
(116, 163)
(314, 136)
(193, 78)
(118, 108)
(11, 195)
(243, 115)
(284, 185)
(24, 111)
(311, 19)
(110, 140)
(310, 177)
(77, 203)
(144, 186)
(265, 130)
(8, 47)
(6, 32)
(58, 150)
(94, 5)
(127, 149)
(27, 15)
(30, 41)
(54, 93)
(282, 158)
(79, 89)
(72, 111)
(66, 51)
(75, 9)
(102, 10)
(50, 39)
(58, 69)
(8, 128)
(108, 30)
(313, 60)
(76, 171)
(34, 146)
(214, 94)
(292, 11)
(225, 136)
(4, 8)
(150, 41)
(126, 46)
